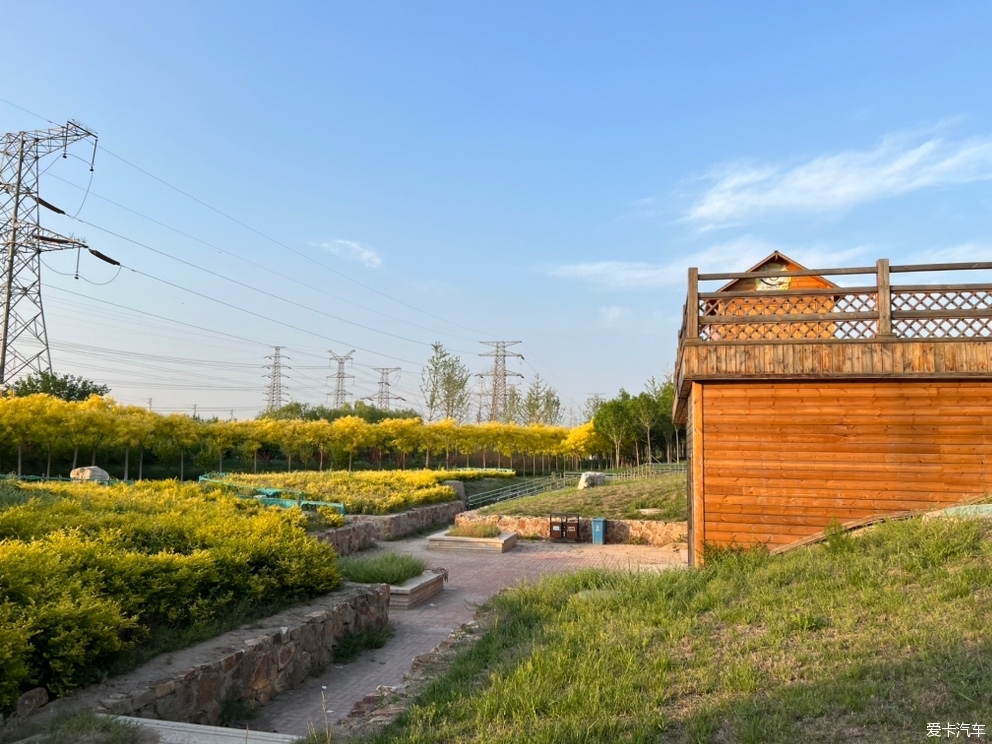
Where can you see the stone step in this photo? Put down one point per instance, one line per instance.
(172, 732)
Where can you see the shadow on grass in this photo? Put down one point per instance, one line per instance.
(873, 701)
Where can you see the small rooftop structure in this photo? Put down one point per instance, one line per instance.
(831, 394)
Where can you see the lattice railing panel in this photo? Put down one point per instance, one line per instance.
(792, 305)
(969, 301)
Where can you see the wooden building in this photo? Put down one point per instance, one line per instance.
(807, 402)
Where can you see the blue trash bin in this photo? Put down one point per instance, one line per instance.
(598, 530)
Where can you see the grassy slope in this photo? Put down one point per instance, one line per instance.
(860, 639)
(618, 501)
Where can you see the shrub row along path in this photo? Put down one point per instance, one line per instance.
(473, 579)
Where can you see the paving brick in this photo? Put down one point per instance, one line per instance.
(473, 579)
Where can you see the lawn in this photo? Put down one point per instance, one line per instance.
(872, 639)
(617, 501)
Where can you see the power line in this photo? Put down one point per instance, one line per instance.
(257, 265)
(244, 285)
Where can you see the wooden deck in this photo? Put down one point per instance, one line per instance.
(870, 331)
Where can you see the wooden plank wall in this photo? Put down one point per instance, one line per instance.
(781, 460)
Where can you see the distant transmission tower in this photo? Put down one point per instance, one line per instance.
(23, 337)
(340, 394)
(382, 398)
(276, 391)
(497, 407)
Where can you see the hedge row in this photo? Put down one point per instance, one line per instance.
(89, 571)
(369, 492)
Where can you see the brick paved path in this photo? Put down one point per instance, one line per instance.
(473, 578)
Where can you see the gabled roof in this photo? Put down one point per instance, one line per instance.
(780, 258)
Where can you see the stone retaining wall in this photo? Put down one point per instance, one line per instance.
(349, 539)
(261, 668)
(392, 526)
(639, 531)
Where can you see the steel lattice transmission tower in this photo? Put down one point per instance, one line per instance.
(497, 406)
(23, 337)
(340, 395)
(382, 398)
(276, 390)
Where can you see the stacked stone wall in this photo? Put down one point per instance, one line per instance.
(261, 668)
(393, 526)
(638, 531)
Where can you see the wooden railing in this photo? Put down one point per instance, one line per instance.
(870, 311)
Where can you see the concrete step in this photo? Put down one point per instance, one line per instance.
(172, 732)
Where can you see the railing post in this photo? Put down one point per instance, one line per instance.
(692, 307)
(883, 298)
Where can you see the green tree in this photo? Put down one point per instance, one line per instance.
(66, 387)
(541, 404)
(444, 384)
(615, 422)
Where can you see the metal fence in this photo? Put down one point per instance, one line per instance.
(560, 481)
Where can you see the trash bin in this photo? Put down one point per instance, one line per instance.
(565, 527)
(598, 530)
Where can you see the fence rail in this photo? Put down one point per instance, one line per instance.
(773, 311)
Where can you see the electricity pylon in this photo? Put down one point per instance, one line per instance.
(340, 394)
(23, 336)
(275, 397)
(382, 398)
(497, 406)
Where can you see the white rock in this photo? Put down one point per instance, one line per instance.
(588, 480)
(90, 473)
(458, 487)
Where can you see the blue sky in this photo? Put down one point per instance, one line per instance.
(459, 172)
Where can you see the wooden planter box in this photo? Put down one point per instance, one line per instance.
(500, 544)
(415, 591)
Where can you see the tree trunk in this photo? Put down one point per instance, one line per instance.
(48, 470)
(94, 457)
(321, 461)
(255, 466)
(75, 456)
(127, 455)
(182, 461)
(349, 460)
(141, 463)
(289, 463)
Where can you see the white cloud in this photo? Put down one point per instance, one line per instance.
(728, 256)
(734, 255)
(614, 315)
(352, 251)
(901, 163)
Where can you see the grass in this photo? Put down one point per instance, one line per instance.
(381, 568)
(81, 728)
(616, 501)
(348, 647)
(857, 639)
(474, 530)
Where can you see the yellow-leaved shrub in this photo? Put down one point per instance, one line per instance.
(88, 570)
